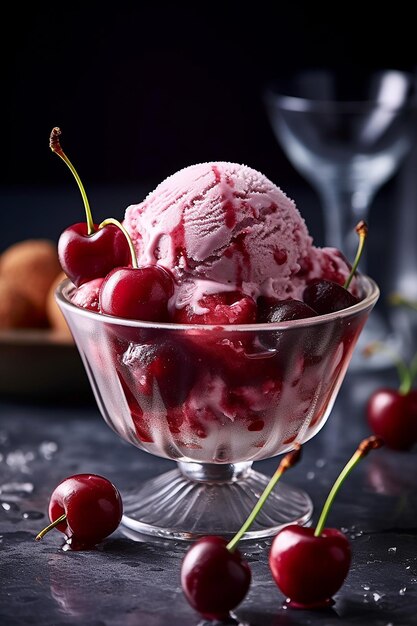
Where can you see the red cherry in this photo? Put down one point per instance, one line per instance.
(89, 507)
(165, 367)
(284, 311)
(84, 256)
(214, 576)
(393, 416)
(214, 579)
(392, 413)
(86, 296)
(281, 311)
(85, 250)
(310, 564)
(326, 296)
(309, 569)
(229, 307)
(137, 293)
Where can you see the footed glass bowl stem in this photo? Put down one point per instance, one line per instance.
(198, 499)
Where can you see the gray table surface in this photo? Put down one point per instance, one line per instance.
(123, 582)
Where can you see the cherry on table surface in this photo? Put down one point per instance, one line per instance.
(392, 413)
(309, 569)
(393, 416)
(214, 576)
(86, 508)
(84, 250)
(310, 564)
(214, 579)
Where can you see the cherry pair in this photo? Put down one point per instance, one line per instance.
(88, 251)
(308, 565)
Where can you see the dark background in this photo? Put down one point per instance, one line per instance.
(143, 89)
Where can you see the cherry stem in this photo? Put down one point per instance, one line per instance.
(366, 445)
(288, 461)
(55, 146)
(362, 230)
(406, 373)
(43, 532)
(111, 220)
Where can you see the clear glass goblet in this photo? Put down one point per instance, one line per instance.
(347, 138)
(215, 399)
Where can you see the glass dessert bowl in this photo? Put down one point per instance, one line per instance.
(215, 399)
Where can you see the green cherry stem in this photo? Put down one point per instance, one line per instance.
(43, 532)
(55, 146)
(406, 374)
(111, 220)
(371, 443)
(288, 461)
(362, 230)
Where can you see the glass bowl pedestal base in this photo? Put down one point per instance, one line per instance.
(204, 499)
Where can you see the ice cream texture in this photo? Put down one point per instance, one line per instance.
(222, 227)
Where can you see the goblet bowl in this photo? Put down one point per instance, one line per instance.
(215, 399)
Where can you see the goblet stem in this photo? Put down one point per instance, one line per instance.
(343, 209)
(215, 472)
(198, 499)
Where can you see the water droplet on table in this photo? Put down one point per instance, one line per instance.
(353, 532)
(377, 596)
(9, 506)
(32, 515)
(392, 550)
(310, 475)
(47, 449)
(18, 460)
(402, 591)
(320, 462)
(366, 587)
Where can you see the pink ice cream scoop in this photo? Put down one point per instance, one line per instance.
(223, 226)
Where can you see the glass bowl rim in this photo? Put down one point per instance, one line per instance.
(371, 297)
(298, 104)
(278, 94)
